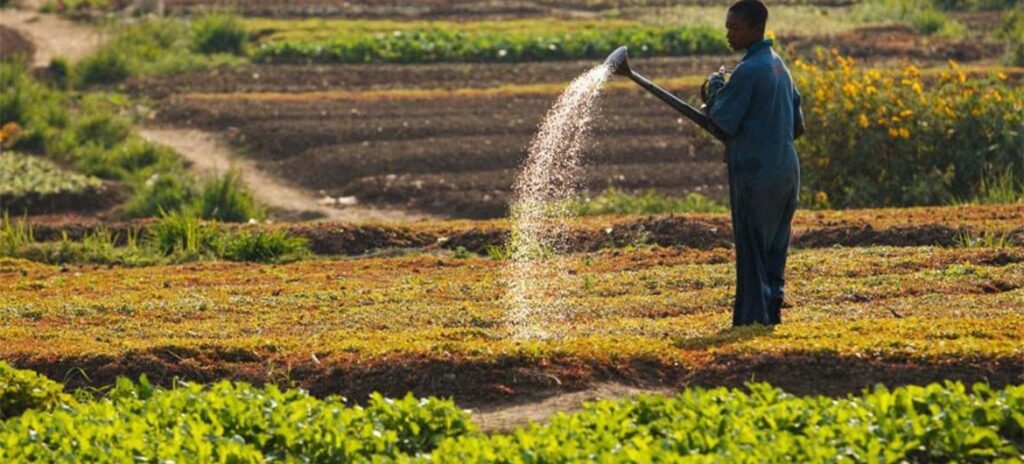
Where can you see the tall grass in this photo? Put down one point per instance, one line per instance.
(226, 198)
(14, 234)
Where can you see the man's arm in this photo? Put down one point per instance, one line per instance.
(798, 116)
(728, 102)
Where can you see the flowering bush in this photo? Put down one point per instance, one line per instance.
(894, 137)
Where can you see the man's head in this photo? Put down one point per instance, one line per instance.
(745, 23)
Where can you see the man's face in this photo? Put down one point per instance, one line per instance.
(740, 33)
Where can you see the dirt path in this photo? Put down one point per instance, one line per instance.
(508, 417)
(52, 35)
(211, 155)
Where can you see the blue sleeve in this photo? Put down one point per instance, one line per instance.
(798, 116)
(732, 101)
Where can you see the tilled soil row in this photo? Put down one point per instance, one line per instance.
(482, 383)
(453, 155)
(382, 76)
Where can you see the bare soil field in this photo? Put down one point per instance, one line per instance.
(450, 154)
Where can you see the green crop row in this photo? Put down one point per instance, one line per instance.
(437, 42)
(235, 422)
(22, 174)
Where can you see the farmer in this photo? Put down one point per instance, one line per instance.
(758, 112)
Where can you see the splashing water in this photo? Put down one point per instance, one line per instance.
(536, 275)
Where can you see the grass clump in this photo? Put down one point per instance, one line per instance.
(226, 199)
(263, 246)
(165, 46)
(219, 33)
(620, 202)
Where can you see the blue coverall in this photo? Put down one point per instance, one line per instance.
(758, 111)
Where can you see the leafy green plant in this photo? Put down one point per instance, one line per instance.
(22, 174)
(21, 390)
(511, 41)
(231, 422)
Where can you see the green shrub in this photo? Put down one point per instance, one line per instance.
(219, 33)
(22, 390)
(108, 66)
(884, 137)
(262, 246)
(60, 72)
(227, 199)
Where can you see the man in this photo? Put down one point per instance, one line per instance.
(758, 113)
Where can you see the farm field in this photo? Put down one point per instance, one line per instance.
(433, 324)
(287, 231)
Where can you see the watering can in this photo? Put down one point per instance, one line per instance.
(618, 61)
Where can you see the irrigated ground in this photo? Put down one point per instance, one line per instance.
(433, 322)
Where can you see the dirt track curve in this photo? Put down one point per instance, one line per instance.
(211, 155)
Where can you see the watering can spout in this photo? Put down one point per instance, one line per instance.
(618, 61)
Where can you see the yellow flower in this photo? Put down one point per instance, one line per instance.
(863, 121)
(1001, 76)
(893, 132)
(904, 133)
(906, 113)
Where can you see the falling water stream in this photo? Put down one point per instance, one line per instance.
(536, 274)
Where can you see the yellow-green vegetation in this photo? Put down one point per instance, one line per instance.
(616, 201)
(882, 137)
(91, 133)
(22, 174)
(350, 41)
(21, 390)
(647, 313)
(235, 422)
(165, 46)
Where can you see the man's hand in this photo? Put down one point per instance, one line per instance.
(713, 84)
